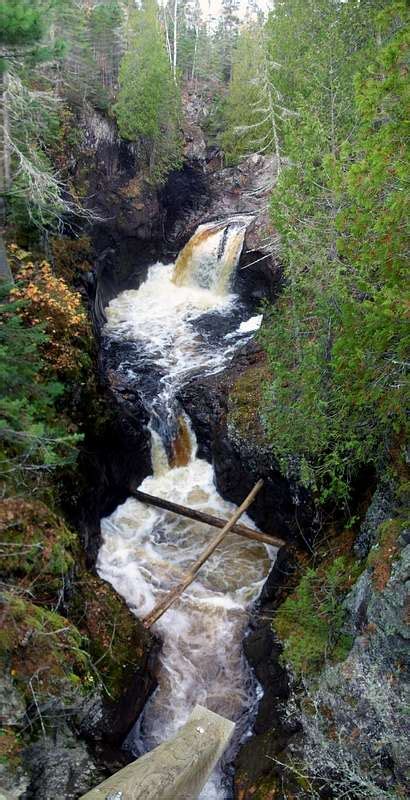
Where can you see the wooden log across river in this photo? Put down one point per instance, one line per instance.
(173, 595)
(208, 519)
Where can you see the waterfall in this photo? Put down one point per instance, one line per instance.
(145, 550)
(211, 255)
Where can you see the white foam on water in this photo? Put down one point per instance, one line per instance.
(145, 550)
(252, 324)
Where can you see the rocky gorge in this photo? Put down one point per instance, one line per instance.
(139, 226)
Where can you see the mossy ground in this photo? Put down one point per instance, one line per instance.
(117, 641)
(38, 550)
(98, 641)
(310, 621)
(43, 652)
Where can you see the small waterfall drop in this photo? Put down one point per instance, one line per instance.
(211, 255)
(145, 550)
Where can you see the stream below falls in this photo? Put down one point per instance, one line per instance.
(170, 322)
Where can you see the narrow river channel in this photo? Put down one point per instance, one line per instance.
(145, 550)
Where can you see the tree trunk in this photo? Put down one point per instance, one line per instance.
(173, 595)
(175, 40)
(207, 519)
(4, 148)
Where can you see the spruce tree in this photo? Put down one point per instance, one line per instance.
(148, 105)
(318, 424)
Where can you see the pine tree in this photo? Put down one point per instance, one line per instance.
(32, 439)
(252, 111)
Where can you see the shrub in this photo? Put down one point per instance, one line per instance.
(32, 438)
(49, 301)
(310, 622)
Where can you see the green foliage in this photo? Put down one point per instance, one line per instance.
(37, 547)
(21, 21)
(32, 437)
(94, 45)
(335, 341)
(246, 122)
(148, 106)
(52, 654)
(310, 622)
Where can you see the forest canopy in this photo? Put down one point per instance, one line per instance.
(320, 86)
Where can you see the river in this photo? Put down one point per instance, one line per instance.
(145, 551)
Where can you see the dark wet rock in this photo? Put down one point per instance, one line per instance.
(274, 727)
(60, 766)
(256, 763)
(184, 192)
(281, 508)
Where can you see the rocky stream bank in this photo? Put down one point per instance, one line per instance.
(68, 712)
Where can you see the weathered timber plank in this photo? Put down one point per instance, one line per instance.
(175, 770)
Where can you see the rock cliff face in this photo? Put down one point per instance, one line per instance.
(138, 223)
(344, 730)
(241, 456)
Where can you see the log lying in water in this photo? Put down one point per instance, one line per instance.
(208, 519)
(173, 595)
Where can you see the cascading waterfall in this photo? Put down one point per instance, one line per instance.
(145, 550)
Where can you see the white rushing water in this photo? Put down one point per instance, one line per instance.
(145, 550)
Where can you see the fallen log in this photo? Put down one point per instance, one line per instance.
(173, 595)
(208, 519)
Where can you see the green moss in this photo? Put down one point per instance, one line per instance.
(385, 552)
(10, 747)
(244, 402)
(310, 622)
(118, 644)
(36, 546)
(42, 651)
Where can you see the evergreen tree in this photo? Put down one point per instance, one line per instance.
(148, 105)
(252, 111)
(310, 409)
(31, 436)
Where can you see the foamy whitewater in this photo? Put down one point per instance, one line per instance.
(145, 551)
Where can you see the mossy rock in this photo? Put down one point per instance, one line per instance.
(385, 552)
(311, 621)
(38, 550)
(244, 403)
(43, 652)
(118, 643)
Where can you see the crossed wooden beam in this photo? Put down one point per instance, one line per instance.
(199, 516)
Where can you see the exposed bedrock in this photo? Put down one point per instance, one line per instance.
(137, 223)
(281, 507)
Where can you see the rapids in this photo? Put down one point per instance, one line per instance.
(145, 550)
